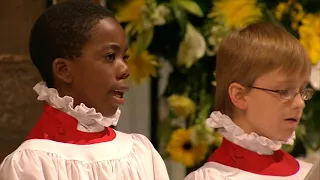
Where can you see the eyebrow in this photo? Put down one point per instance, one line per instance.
(286, 81)
(114, 46)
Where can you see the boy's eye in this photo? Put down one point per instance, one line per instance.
(110, 57)
(285, 92)
(288, 93)
(126, 57)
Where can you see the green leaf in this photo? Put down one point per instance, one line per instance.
(181, 17)
(129, 29)
(270, 16)
(144, 38)
(190, 6)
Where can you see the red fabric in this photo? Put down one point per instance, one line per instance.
(279, 164)
(58, 126)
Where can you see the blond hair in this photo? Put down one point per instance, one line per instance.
(244, 55)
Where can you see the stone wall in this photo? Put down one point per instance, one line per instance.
(19, 108)
(16, 19)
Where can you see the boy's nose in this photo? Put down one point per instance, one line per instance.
(123, 68)
(298, 102)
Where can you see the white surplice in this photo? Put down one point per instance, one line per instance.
(49, 157)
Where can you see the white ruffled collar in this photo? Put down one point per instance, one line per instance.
(89, 120)
(236, 135)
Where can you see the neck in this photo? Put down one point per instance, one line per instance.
(89, 120)
(66, 90)
(240, 120)
(235, 134)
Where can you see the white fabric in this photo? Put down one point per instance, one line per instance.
(89, 120)
(127, 157)
(216, 171)
(235, 134)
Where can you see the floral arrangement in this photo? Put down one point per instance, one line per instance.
(186, 34)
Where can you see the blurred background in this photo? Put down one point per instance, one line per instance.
(172, 61)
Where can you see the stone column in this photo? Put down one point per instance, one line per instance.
(19, 108)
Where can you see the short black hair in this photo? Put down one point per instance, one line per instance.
(61, 32)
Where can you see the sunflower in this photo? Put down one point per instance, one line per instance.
(142, 65)
(293, 8)
(309, 33)
(131, 13)
(181, 148)
(236, 14)
(281, 9)
(296, 15)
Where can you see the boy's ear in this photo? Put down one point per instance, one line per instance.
(237, 95)
(61, 69)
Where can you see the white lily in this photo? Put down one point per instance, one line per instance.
(315, 76)
(192, 48)
(159, 15)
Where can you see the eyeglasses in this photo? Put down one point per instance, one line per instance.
(305, 93)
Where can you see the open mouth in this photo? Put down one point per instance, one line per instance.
(118, 93)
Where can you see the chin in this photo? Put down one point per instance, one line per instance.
(110, 111)
(285, 137)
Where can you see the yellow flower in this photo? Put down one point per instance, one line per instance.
(281, 9)
(131, 12)
(296, 15)
(296, 12)
(182, 150)
(181, 105)
(237, 14)
(309, 33)
(142, 65)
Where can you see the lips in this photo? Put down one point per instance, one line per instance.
(120, 89)
(118, 94)
(292, 119)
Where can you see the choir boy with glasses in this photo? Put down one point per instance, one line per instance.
(262, 74)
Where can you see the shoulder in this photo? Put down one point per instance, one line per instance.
(141, 138)
(306, 168)
(143, 148)
(24, 162)
(27, 151)
(134, 138)
(120, 147)
(19, 157)
(304, 165)
(205, 172)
